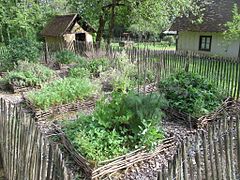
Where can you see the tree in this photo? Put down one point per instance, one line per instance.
(147, 15)
(26, 18)
(233, 31)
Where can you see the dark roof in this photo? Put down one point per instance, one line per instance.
(59, 25)
(216, 14)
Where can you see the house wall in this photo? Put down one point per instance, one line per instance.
(190, 41)
(78, 29)
(54, 43)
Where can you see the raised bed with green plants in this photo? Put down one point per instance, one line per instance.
(124, 129)
(28, 75)
(62, 96)
(190, 95)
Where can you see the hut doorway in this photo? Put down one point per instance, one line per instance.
(80, 37)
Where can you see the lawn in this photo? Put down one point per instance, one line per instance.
(150, 46)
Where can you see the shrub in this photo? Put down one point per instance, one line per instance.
(61, 92)
(190, 93)
(119, 125)
(20, 50)
(29, 74)
(95, 66)
(79, 72)
(67, 57)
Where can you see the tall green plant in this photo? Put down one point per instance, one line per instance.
(191, 93)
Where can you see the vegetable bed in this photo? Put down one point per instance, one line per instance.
(64, 95)
(28, 76)
(124, 129)
(190, 96)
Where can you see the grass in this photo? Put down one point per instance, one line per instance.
(151, 46)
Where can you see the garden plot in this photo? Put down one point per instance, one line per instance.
(124, 126)
(28, 76)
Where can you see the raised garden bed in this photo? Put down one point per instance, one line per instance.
(113, 165)
(40, 114)
(28, 76)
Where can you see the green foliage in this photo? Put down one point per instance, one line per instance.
(25, 19)
(20, 50)
(191, 93)
(79, 72)
(95, 66)
(29, 74)
(93, 141)
(233, 26)
(130, 110)
(61, 92)
(147, 77)
(119, 125)
(66, 57)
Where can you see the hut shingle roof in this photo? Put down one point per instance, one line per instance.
(216, 14)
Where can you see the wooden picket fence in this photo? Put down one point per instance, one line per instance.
(212, 152)
(26, 152)
(223, 72)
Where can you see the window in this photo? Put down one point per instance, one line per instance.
(205, 43)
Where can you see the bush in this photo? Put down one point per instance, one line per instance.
(95, 66)
(190, 93)
(63, 91)
(66, 57)
(29, 74)
(79, 72)
(118, 125)
(20, 50)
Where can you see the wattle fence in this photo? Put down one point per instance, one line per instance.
(211, 152)
(26, 152)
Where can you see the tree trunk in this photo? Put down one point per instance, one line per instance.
(112, 22)
(102, 22)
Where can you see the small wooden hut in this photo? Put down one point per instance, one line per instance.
(65, 29)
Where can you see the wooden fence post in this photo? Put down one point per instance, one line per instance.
(46, 52)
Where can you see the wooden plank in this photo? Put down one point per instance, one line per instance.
(238, 142)
(226, 148)
(205, 154)
(184, 157)
(212, 160)
(216, 153)
(198, 156)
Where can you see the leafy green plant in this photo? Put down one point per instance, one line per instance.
(93, 141)
(67, 57)
(29, 74)
(79, 72)
(119, 125)
(147, 77)
(19, 50)
(95, 66)
(61, 92)
(191, 93)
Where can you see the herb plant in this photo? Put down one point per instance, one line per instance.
(29, 74)
(191, 93)
(79, 72)
(61, 92)
(119, 125)
(66, 57)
